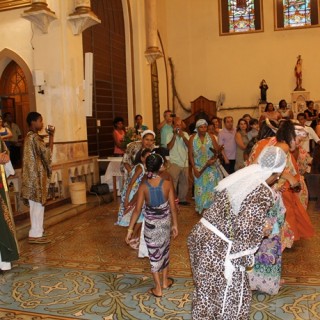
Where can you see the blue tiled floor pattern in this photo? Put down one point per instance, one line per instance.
(81, 294)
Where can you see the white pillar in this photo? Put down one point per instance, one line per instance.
(152, 52)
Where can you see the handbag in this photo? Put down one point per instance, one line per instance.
(100, 189)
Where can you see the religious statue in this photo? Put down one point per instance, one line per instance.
(263, 91)
(298, 74)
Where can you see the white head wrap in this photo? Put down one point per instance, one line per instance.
(239, 184)
(148, 132)
(199, 123)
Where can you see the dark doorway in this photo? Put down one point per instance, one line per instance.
(107, 43)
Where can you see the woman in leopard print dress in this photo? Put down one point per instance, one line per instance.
(223, 243)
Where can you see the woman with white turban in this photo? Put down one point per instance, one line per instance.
(203, 151)
(223, 243)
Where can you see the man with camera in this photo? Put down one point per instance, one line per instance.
(177, 143)
(165, 127)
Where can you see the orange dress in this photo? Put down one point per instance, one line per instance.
(118, 136)
(295, 202)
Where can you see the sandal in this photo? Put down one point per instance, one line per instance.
(134, 243)
(171, 284)
(151, 291)
(47, 234)
(41, 240)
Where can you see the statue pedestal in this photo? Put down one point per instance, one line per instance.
(298, 101)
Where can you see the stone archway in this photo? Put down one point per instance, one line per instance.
(6, 57)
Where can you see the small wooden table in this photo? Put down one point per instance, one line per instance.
(113, 171)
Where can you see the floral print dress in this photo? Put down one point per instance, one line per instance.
(204, 185)
(124, 218)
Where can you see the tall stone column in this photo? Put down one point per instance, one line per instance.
(152, 52)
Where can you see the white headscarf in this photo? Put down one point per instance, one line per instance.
(239, 184)
(199, 123)
(148, 132)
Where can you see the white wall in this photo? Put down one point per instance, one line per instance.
(16, 35)
(59, 55)
(207, 64)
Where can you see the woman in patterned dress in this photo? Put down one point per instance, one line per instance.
(8, 241)
(160, 220)
(295, 193)
(128, 198)
(204, 165)
(266, 273)
(133, 150)
(223, 243)
(129, 192)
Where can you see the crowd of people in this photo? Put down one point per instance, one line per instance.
(248, 186)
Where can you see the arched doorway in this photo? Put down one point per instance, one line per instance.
(14, 94)
(16, 88)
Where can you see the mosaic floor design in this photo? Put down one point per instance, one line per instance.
(31, 292)
(88, 272)
(93, 242)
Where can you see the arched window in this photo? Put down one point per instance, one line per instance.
(13, 85)
(240, 16)
(296, 13)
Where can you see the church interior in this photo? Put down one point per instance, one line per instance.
(81, 63)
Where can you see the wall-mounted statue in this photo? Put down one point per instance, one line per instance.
(263, 91)
(298, 74)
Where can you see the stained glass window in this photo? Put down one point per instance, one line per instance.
(292, 14)
(296, 13)
(241, 15)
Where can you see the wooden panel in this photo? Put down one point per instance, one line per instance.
(107, 42)
(203, 106)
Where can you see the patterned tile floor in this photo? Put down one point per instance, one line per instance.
(88, 272)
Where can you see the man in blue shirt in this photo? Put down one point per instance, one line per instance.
(165, 127)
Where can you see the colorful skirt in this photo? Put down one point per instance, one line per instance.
(157, 233)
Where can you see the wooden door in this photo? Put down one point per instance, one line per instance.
(8, 105)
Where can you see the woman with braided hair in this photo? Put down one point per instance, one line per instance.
(160, 220)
